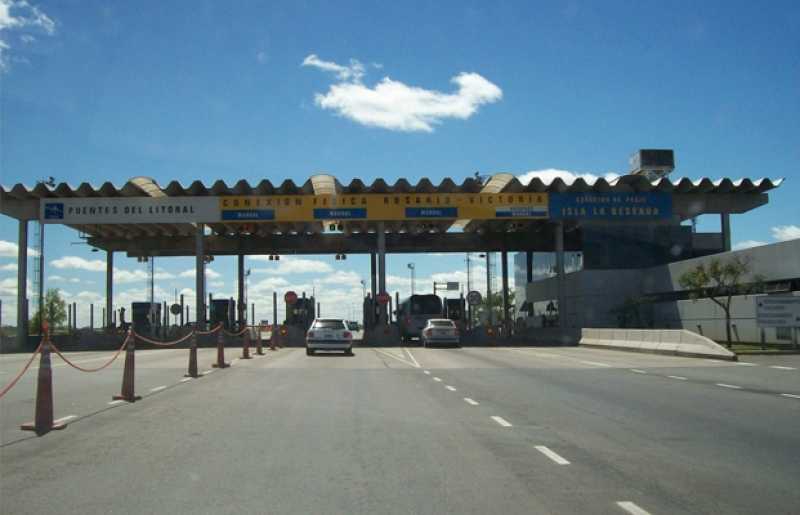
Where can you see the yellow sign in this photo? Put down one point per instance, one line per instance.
(388, 207)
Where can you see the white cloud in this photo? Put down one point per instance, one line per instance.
(10, 267)
(9, 249)
(747, 244)
(79, 263)
(786, 232)
(210, 273)
(548, 175)
(17, 15)
(352, 72)
(394, 105)
(293, 265)
(342, 278)
(216, 284)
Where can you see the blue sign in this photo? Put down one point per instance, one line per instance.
(431, 212)
(340, 214)
(610, 206)
(54, 211)
(248, 214)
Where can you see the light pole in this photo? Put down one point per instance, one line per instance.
(246, 278)
(364, 289)
(411, 268)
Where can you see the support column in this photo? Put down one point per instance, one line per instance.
(489, 314)
(182, 311)
(200, 277)
(109, 287)
(560, 279)
(373, 274)
(275, 307)
(382, 319)
(725, 223)
(241, 307)
(529, 266)
(504, 265)
(22, 283)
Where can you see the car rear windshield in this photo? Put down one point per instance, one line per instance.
(426, 305)
(441, 323)
(329, 324)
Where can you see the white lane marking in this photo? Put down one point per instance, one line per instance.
(638, 371)
(114, 403)
(427, 372)
(679, 378)
(595, 363)
(64, 419)
(790, 395)
(158, 388)
(500, 420)
(234, 361)
(746, 364)
(401, 360)
(438, 380)
(714, 360)
(732, 386)
(412, 357)
(552, 455)
(632, 508)
(452, 389)
(209, 371)
(779, 367)
(470, 401)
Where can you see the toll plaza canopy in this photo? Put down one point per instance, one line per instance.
(324, 216)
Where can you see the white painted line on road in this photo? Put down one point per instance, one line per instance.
(552, 455)
(500, 420)
(714, 360)
(732, 386)
(790, 395)
(746, 363)
(638, 371)
(679, 378)
(470, 401)
(451, 388)
(158, 388)
(234, 361)
(209, 371)
(632, 508)
(779, 367)
(427, 372)
(64, 419)
(412, 357)
(401, 360)
(186, 379)
(119, 401)
(595, 363)
(438, 380)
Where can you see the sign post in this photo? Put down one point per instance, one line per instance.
(778, 311)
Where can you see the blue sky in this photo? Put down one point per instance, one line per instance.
(96, 91)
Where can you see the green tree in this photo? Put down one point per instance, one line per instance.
(495, 303)
(55, 310)
(719, 281)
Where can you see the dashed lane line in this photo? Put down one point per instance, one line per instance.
(118, 401)
(186, 379)
(209, 371)
(731, 386)
(158, 388)
(595, 363)
(551, 454)
(632, 508)
(471, 402)
(779, 367)
(451, 388)
(500, 420)
(427, 372)
(746, 364)
(408, 352)
(679, 378)
(437, 379)
(64, 419)
(790, 395)
(638, 371)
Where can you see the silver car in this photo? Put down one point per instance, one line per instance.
(440, 331)
(329, 334)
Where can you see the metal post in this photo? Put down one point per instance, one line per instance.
(40, 257)
(373, 274)
(382, 270)
(319, 311)
(529, 266)
(91, 317)
(490, 315)
(109, 286)
(560, 279)
(74, 315)
(242, 307)
(22, 282)
(504, 265)
(182, 310)
(253, 313)
(275, 307)
(725, 223)
(200, 276)
(69, 317)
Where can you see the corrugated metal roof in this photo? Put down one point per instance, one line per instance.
(626, 183)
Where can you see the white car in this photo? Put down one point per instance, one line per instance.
(440, 331)
(329, 334)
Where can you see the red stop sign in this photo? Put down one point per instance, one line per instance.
(383, 298)
(290, 297)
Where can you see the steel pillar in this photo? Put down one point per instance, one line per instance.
(109, 287)
(489, 314)
(382, 319)
(725, 224)
(22, 283)
(241, 307)
(504, 264)
(560, 278)
(529, 266)
(200, 277)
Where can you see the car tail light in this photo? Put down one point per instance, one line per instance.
(427, 332)
(310, 334)
(347, 334)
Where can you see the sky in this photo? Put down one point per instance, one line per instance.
(94, 91)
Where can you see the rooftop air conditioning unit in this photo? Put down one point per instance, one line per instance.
(653, 163)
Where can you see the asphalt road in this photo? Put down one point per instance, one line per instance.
(427, 431)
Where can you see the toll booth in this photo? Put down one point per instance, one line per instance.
(143, 319)
(455, 309)
(223, 311)
(301, 313)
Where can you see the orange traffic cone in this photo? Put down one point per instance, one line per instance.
(193, 358)
(220, 352)
(43, 416)
(127, 393)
